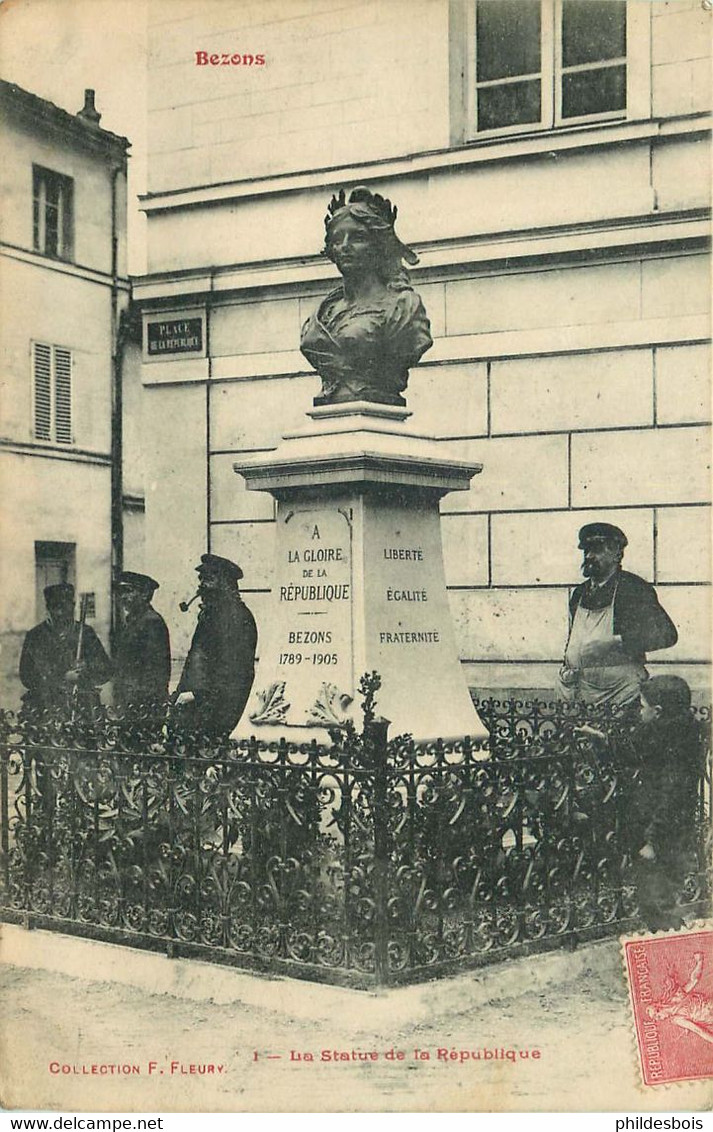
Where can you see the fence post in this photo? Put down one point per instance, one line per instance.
(376, 736)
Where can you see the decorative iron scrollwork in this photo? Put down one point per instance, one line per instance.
(357, 862)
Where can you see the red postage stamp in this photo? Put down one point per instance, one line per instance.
(671, 989)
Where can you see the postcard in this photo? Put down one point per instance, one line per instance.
(355, 745)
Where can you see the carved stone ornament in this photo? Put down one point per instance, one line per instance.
(273, 705)
(330, 707)
(366, 334)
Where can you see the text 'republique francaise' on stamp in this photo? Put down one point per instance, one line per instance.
(670, 980)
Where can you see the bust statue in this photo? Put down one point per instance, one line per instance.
(366, 334)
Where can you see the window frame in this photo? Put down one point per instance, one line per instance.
(41, 178)
(637, 62)
(54, 562)
(472, 85)
(54, 438)
(559, 71)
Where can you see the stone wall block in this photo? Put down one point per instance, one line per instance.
(683, 383)
(580, 391)
(518, 473)
(683, 544)
(252, 546)
(465, 549)
(517, 624)
(675, 285)
(681, 35)
(670, 465)
(433, 391)
(255, 328)
(229, 497)
(249, 415)
(689, 607)
(560, 297)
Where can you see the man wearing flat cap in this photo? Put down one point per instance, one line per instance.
(220, 667)
(62, 663)
(615, 619)
(143, 652)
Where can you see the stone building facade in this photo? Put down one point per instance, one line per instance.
(552, 172)
(64, 286)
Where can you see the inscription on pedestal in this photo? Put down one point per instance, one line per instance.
(406, 579)
(311, 646)
(359, 583)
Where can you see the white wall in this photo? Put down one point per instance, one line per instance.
(56, 492)
(329, 92)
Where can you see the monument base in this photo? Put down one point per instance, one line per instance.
(359, 581)
(375, 398)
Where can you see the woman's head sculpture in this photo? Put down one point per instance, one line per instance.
(377, 216)
(366, 334)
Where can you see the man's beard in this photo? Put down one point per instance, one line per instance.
(596, 573)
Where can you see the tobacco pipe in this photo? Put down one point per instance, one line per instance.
(184, 605)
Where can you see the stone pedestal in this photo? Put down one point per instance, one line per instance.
(359, 582)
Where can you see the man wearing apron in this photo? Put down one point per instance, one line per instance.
(615, 619)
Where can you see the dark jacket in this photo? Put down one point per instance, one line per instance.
(220, 666)
(46, 657)
(641, 622)
(669, 756)
(142, 661)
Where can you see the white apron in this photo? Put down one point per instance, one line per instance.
(596, 668)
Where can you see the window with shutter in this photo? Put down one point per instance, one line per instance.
(52, 381)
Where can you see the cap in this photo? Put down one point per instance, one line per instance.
(214, 564)
(607, 532)
(61, 590)
(131, 580)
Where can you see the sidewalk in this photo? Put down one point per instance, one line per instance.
(72, 1004)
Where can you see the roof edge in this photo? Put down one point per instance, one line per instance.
(42, 111)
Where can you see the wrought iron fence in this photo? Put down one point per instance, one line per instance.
(366, 862)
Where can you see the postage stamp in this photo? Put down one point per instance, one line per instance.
(670, 978)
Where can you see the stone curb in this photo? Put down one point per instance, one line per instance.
(293, 999)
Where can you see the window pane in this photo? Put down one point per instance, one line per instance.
(38, 210)
(593, 30)
(507, 38)
(511, 104)
(594, 92)
(51, 230)
(65, 234)
(52, 189)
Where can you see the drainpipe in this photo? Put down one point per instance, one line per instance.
(90, 114)
(118, 334)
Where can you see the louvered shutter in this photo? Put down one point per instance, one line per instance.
(43, 391)
(63, 395)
